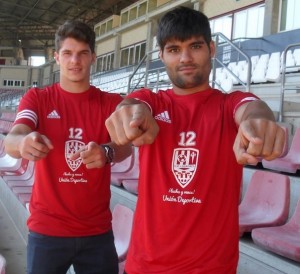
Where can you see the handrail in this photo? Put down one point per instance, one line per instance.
(282, 89)
(218, 35)
(139, 65)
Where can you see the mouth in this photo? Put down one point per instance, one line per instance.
(187, 68)
(75, 69)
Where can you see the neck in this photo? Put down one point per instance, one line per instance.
(74, 87)
(186, 91)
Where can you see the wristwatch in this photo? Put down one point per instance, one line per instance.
(109, 153)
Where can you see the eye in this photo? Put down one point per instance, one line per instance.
(173, 50)
(196, 46)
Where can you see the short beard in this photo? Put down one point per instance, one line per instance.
(181, 83)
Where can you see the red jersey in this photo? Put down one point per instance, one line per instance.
(186, 219)
(67, 198)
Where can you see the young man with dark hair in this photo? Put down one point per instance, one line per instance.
(192, 140)
(62, 128)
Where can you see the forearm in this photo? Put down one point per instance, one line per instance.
(254, 110)
(120, 153)
(12, 144)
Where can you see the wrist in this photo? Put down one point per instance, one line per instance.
(109, 153)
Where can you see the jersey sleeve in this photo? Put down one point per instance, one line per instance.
(144, 95)
(238, 98)
(28, 109)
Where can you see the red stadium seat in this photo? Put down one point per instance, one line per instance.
(283, 240)
(2, 264)
(131, 185)
(24, 198)
(21, 189)
(122, 218)
(131, 173)
(25, 179)
(266, 201)
(291, 161)
(124, 165)
(18, 168)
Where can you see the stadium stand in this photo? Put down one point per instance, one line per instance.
(291, 161)
(266, 201)
(283, 240)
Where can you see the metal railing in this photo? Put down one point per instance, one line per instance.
(283, 87)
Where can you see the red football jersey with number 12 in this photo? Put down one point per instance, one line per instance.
(186, 220)
(68, 199)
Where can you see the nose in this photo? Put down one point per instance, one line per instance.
(75, 58)
(185, 56)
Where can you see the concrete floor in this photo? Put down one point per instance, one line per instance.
(12, 245)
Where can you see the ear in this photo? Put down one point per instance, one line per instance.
(56, 57)
(161, 56)
(212, 49)
(94, 58)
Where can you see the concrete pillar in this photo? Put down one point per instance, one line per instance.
(271, 20)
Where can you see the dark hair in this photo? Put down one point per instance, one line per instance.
(181, 24)
(77, 30)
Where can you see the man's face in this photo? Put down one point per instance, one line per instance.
(188, 64)
(75, 59)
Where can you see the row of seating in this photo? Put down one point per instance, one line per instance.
(10, 97)
(291, 161)
(264, 212)
(265, 68)
(6, 121)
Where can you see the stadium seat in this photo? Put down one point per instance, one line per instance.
(131, 173)
(25, 179)
(283, 240)
(2, 264)
(24, 198)
(266, 201)
(260, 70)
(124, 165)
(131, 185)
(291, 161)
(227, 84)
(18, 168)
(290, 62)
(296, 55)
(274, 67)
(122, 218)
(21, 189)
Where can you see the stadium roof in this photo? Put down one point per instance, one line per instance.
(32, 24)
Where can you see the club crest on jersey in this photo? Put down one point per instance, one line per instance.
(184, 165)
(70, 148)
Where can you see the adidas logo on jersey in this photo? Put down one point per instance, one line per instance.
(53, 115)
(164, 116)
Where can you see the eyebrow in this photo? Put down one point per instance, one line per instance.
(174, 45)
